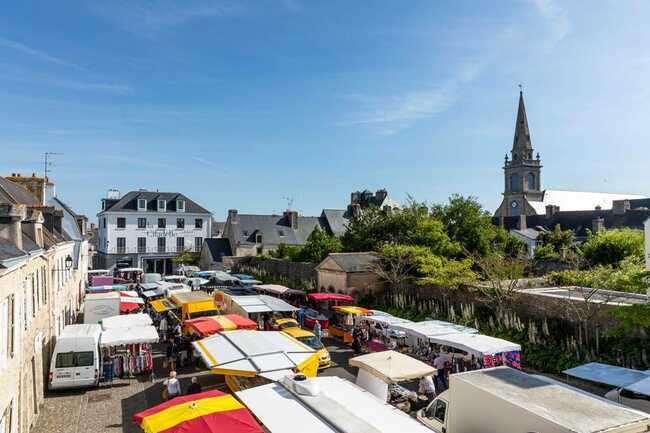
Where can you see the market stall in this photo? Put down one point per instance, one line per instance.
(380, 331)
(125, 343)
(487, 351)
(251, 358)
(255, 306)
(107, 288)
(206, 412)
(418, 334)
(130, 275)
(380, 371)
(343, 320)
(98, 306)
(206, 326)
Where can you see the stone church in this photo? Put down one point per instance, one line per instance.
(523, 193)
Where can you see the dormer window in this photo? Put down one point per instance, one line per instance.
(103, 205)
(258, 238)
(162, 205)
(142, 204)
(180, 205)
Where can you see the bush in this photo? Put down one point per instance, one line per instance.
(612, 246)
(629, 276)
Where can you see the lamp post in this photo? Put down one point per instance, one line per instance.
(68, 265)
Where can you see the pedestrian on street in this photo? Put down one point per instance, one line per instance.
(301, 317)
(317, 329)
(267, 322)
(172, 386)
(163, 327)
(172, 354)
(427, 387)
(195, 387)
(439, 364)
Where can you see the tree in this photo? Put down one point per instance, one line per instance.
(557, 244)
(186, 257)
(610, 247)
(319, 245)
(467, 223)
(501, 273)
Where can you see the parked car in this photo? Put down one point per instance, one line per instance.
(309, 339)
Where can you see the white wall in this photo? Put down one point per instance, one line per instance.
(151, 232)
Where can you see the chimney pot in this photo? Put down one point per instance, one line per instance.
(232, 215)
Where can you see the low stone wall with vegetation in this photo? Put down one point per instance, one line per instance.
(296, 275)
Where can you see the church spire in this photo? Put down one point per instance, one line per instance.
(522, 148)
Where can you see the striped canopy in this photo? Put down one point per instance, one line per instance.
(204, 326)
(206, 412)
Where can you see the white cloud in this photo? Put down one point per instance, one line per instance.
(557, 17)
(205, 161)
(148, 18)
(34, 53)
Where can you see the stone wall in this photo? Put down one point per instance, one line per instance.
(297, 275)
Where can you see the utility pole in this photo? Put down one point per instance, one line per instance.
(48, 163)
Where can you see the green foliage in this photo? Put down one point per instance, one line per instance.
(610, 247)
(467, 223)
(319, 245)
(373, 228)
(631, 319)
(557, 244)
(546, 252)
(400, 265)
(629, 276)
(186, 257)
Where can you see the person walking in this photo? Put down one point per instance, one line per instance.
(427, 387)
(195, 386)
(172, 386)
(163, 327)
(301, 317)
(172, 354)
(439, 364)
(317, 329)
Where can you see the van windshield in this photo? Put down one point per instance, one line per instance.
(75, 359)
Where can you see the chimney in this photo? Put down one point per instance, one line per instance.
(354, 197)
(33, 226)
(92, 226)
(597, 225)
(113, 194)
(232, 215)
(598, 207)
(551, 210)
(292, 217)
(381, 195)
(522, 222)
(619, 207)
(11, 217)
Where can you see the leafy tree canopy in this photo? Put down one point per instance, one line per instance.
(610, 247)
(319, 245)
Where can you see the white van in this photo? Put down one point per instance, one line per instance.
(76, 360)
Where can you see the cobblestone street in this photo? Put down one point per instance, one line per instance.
(110, 409)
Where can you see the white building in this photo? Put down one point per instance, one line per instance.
(147, 229)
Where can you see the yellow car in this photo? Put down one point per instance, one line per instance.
(282, 324)
(308, 338)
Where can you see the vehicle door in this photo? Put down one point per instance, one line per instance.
(87, 366)
(435, 416)
(63, 373)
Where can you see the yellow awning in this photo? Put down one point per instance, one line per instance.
(162, 305)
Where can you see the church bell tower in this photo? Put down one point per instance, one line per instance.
(521, 171)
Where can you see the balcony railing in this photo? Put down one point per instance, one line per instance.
(148, 250)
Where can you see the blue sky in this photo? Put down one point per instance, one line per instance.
(241, 104)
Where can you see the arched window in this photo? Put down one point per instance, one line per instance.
(530, 181)
(515, 183)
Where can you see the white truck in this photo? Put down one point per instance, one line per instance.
(503, 399)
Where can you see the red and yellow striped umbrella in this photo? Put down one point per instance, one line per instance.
(205, 326)
(206, 412)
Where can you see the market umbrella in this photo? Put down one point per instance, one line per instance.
(205, 326)
(206, 412)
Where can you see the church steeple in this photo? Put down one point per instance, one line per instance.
(522, 147)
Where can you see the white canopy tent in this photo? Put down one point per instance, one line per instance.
(132, 335)
(126, 321)
(386, 322)
(244, 352)
(478, 345)
(246, 305)
(429, 329)
(325, 405)
(272, 288)
(378, 369)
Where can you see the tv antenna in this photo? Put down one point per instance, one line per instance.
(289, 202)
(48, 162)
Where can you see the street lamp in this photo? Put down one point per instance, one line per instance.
(68, 262)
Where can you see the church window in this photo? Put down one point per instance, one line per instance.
(530, 181)
(515, 183)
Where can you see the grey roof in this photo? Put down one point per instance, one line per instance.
(527, 233)
(129, 203)
(353, 262)
(17, 193)
(218, 248)
(521, 142)
(69, 222)
(275, 229)
(579, 200)
(9, 251)
(336, 220)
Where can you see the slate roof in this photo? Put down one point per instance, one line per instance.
(17, 193)
(353, 262)
(9, 251)
(129, 203)
(218, 248)
(581, 221)
(578, 200)
(336, 220)
(275, 229)
(528, 233)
